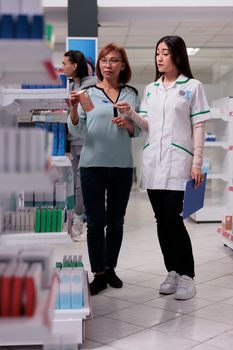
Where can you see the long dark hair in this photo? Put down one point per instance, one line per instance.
(179, 55)
(76, 56)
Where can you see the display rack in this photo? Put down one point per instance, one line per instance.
(219, 153)
(72, 321)
(225, 105)
(31, 330)
(29, 62)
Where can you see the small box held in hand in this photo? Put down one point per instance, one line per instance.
(85, 100)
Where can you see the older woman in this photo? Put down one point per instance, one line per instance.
(106, 165)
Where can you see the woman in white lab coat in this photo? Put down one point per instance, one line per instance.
(173, 112)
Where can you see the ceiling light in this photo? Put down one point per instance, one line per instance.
(192, 51)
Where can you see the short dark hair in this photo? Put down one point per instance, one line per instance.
(179, 55)
(76, 56)
(125, 75)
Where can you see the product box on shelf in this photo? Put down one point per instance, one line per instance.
(227, 222)
(71, 275)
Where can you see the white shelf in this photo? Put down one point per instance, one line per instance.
(26, 62)
(221, 144)
(223, 117)
(26, 181)
(210, 213)
(29, 238)
(72, 321)
(31, 330)
(226, 237)
(23, 100)
(217, 176)
(61, 161)
(216, 144)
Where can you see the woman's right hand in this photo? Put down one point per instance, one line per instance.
(123, 107)
(74, 99)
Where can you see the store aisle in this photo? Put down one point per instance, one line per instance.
(137, 317)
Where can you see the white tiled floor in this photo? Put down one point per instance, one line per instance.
(137, 317)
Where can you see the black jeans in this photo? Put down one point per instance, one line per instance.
(173, 237)
(105, 194)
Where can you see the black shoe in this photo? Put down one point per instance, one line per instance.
(98, 284)
(112, 279)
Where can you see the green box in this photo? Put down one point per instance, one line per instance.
(37, 221)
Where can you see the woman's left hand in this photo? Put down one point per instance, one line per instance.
(121, 122)
(198, 176)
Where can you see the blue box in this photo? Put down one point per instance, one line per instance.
(55, 138)
(7, 27)
(61, 139)
(22, 27)
(37, 27)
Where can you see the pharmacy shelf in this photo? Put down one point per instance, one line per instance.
(27, 181)
(221, 144)
(214, 209)
(210, 213)
(216, 144)
(223, 117)
(33, 65)
(20, 101)
(31, 330)
(61, 161)
(29, 238)
(217, 176)
(72, 321)
(226, 237)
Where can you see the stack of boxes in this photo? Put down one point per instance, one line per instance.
(21, 19)
(71, 275)
(60, 137)
(24, 274)
(23, 150)
(41, 212)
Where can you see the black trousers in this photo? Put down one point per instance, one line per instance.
(173, 237)
(105, 194)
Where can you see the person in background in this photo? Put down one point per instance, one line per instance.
(173, 112)
(75, 67)
(106, 164)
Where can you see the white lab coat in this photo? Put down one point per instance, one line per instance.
(168, 154)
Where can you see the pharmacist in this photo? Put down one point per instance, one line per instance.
(173, 112)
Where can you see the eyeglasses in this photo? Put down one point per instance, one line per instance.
(113, 62)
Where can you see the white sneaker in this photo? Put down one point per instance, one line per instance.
(186, 288)
(78, 229)
(170, 284)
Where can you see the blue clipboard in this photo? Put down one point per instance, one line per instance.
(193, 198)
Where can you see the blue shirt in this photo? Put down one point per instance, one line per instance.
(105, 144)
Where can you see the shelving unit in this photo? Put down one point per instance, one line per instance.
(226, 237)
(72, 321)
(20, 101)
(225, 106)
(61, 161)
(27, 181)
(31, 330)
(29, 238)
(33, 66)
(219, 153)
